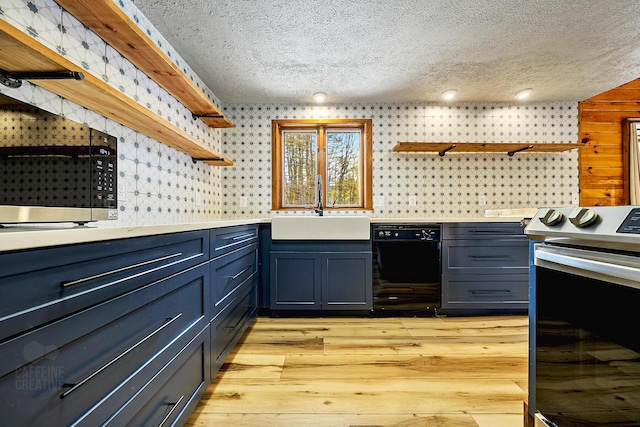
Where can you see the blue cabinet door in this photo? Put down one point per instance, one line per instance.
(347, 281)
(295, 281)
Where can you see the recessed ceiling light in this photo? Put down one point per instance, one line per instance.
(449, 94)
(319, 97)
(524, 94)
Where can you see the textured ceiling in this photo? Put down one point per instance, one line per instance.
(403, 50)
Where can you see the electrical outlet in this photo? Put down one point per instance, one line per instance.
(243, 202)
(378, 201)
(482, 200)
(575, 199)
(198, 199)
(122, 191)
(412, 200)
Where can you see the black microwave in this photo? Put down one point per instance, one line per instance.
(53, 169)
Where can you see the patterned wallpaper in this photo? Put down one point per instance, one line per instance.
(461, 185)
(160, 185)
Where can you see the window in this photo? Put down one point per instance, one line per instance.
(332, 155)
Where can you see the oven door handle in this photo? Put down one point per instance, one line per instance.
(616, 268)
(541, 421)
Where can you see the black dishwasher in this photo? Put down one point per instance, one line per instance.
(406, 269)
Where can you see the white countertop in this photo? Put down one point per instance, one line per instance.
(26, 237)
(443, 220)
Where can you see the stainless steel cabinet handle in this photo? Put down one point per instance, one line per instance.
(235, 276)
(235, 241)
(244, 236)
(76, 386)
(118, 270)
(489, 256)
(491, 292)
(175, 405)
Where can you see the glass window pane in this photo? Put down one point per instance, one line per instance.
(343, 168)
(300, 166)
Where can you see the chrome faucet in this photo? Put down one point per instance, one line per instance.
(319, 210)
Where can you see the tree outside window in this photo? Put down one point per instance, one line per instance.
(337, 150)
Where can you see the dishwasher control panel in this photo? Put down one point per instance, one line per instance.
(406, 232)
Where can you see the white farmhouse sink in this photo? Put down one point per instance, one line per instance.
(309, 227)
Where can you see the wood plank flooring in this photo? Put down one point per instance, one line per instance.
(370, 372)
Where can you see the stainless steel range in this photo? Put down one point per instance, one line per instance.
(584, 352)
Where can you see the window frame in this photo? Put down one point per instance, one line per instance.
(321, 125)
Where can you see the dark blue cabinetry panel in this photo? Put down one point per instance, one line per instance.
(83, 366)
(484, 267)
(169, 398)
(320, 275)
(120, 332)
(347, 281)
(234, 288)
(295, 280)
(39, 286)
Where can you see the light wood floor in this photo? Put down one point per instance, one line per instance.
(444, 372)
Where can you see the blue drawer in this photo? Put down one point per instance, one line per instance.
(60, 371)
(230, 271)
(43, 285)
(230, 324)
(485, 257)
(479, 230)
(173, 393)
(499, 291)
(227, 239)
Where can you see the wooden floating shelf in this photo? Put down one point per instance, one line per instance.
(20, 52)
(107, 20)
(482, 147)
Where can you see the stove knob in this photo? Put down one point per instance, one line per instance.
(584, 218)
(381, 233)
(552, 217)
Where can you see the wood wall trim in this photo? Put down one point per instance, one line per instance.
(603, 168)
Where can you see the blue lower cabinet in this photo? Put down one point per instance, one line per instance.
(41, 285)
(123, 332)
(295, 281)
(170, 396)
(56, 372)
(234, 288)
(347, 281)
(231, 323)
(321, 280)
(484, 268)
